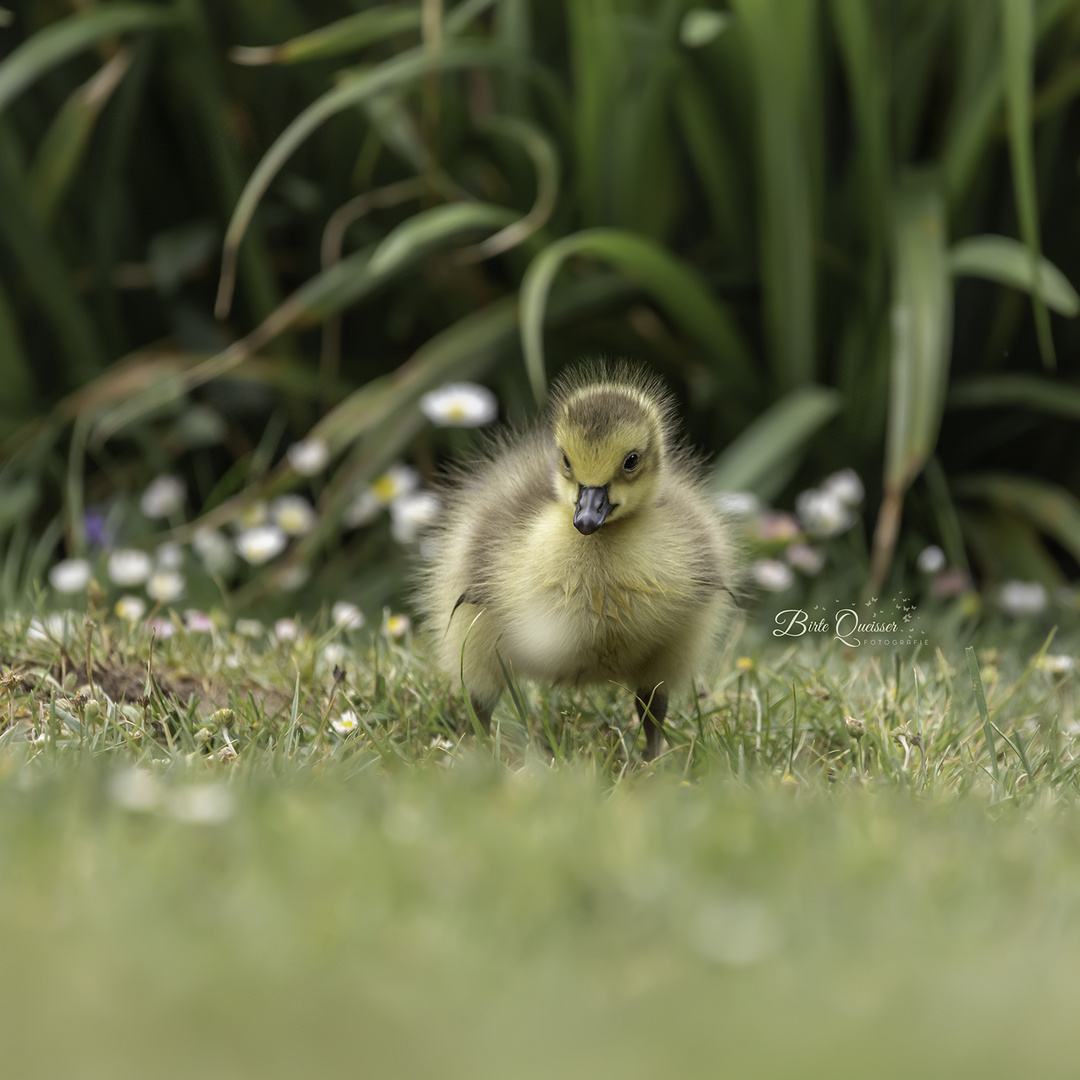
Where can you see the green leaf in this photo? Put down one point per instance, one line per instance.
(675, 284)
(1024, 391)
(343, 36)
(430, 228)
(777, 434)
(781, 37)
(1018, 43)
(1002, 259)
(64, 144)
(922, 330)
(1048, 507)
(402, 69)
(921, 344)
(55, 43)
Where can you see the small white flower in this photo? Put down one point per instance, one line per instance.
(135, 789)
(214, 550)
(332, 655)
(163, 628)
(803, 557)
(845, 486)
(441, 743)
(1057, 664)
(460, 405)
(198, 621)
(823, 513)
(166, 586)
(365, 508)
(130, 608)
(291, 578)
(1020, 598)
(309, 456)
(129, 566)
(55, 628)
(410, 514)
(346, 723)
(772, 574)
(286, 630)
(396, 482)
(169, 556)
(397, 625)
(931, 560)
(70, 575)
(739, 504)
(293, 514)
(249, 627)
(163, 497)
(251, 517)
(201, 804)
(776, 526)
(347, 616)
(261, 544)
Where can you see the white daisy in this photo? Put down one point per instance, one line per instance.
(251, 517)
(163, 628)
(129, 566)
(1057, 664)
(397, 625)
(249, 628)
(460, 405)
(214, 550)
(346, 723)
(198, 622)
(166, 586)
(365, 508)
(309, 456)
(347, 616)
(293, 514)
(261, 544)
(169, 556)
(54, 628)
(931, 560)
(412, 513)
(135, 789)
(286, 630)
(332, 655)
(130, 608)
(772, 574)
(823, 512)
(809, 560)
(1020, 598)
(846, 486)
(70, 575)
(163, 497)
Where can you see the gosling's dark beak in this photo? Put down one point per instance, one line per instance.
(593, 507)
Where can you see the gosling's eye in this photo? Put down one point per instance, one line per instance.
(631, 462)
(566, 462)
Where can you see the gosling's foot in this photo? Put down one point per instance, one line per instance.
(651, 705)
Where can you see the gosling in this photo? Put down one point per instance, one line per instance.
(583, 551)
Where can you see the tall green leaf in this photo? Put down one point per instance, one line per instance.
(1002, 259)
(1018, 37)
(59, 41)
(922, 340)
(679, 289)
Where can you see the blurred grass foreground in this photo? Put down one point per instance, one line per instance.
(264, 265)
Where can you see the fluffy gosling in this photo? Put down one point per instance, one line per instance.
(583, 551)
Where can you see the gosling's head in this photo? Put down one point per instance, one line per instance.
(611, 436)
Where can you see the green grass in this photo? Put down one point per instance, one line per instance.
(766, 899)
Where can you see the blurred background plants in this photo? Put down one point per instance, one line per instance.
(240, 241)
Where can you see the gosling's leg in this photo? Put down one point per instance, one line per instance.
(651, 705)
(483, 707)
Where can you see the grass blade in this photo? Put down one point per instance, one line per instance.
(922, 339)
(1050, 508)
(402, 69)
(674, 283)
(1018, 43)
(346, 35)
(773, 437)
(1002, 259)
(1024, 391)
(781, 40)
(980, 700)
(55, 43)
